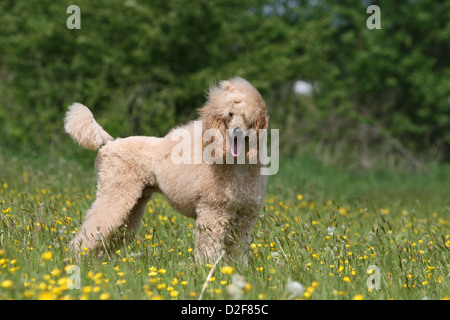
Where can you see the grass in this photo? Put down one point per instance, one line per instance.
(323, 234)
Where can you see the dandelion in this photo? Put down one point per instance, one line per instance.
(310, 289)
(346, 279)
(56, 272)
(227, 270)
(161, 286)
(358, 297)
(236, 287)
(47, 255)
(174, 293)
(7, 210)
(105, 296)
(7, 284)
(28, 293)
(87, 289)
(294, 289)
(47, 295)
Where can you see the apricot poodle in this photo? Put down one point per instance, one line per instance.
(225, 198)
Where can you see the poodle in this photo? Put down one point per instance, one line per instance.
(224, 197)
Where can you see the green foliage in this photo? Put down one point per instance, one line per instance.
(143, 67)
(396, 78)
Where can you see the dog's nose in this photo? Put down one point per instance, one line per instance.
(237, 132)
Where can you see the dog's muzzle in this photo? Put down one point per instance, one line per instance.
(237, 141)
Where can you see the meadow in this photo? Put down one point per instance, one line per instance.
(324, 233)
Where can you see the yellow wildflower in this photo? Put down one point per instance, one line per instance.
(47, 255)
(227, 270)
(105, 296)
(7, 284)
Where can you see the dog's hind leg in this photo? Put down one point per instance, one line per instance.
(116, 211)
(105, 222)
(135, 217)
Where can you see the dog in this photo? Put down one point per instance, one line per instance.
(225, 198)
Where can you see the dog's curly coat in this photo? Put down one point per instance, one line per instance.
(225, 199)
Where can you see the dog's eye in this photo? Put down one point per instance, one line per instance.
(230, 114)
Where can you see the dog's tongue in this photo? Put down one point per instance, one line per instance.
(236, 147)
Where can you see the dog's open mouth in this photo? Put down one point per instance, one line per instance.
(236, 146)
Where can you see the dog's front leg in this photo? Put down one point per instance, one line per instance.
(210, 236)
(222, 231)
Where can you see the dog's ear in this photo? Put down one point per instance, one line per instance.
(212, 120)
(262, 123)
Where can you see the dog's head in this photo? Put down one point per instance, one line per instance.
(237, 109)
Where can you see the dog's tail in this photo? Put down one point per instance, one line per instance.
(82, 127)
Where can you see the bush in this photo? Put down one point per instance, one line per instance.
(143, 68)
